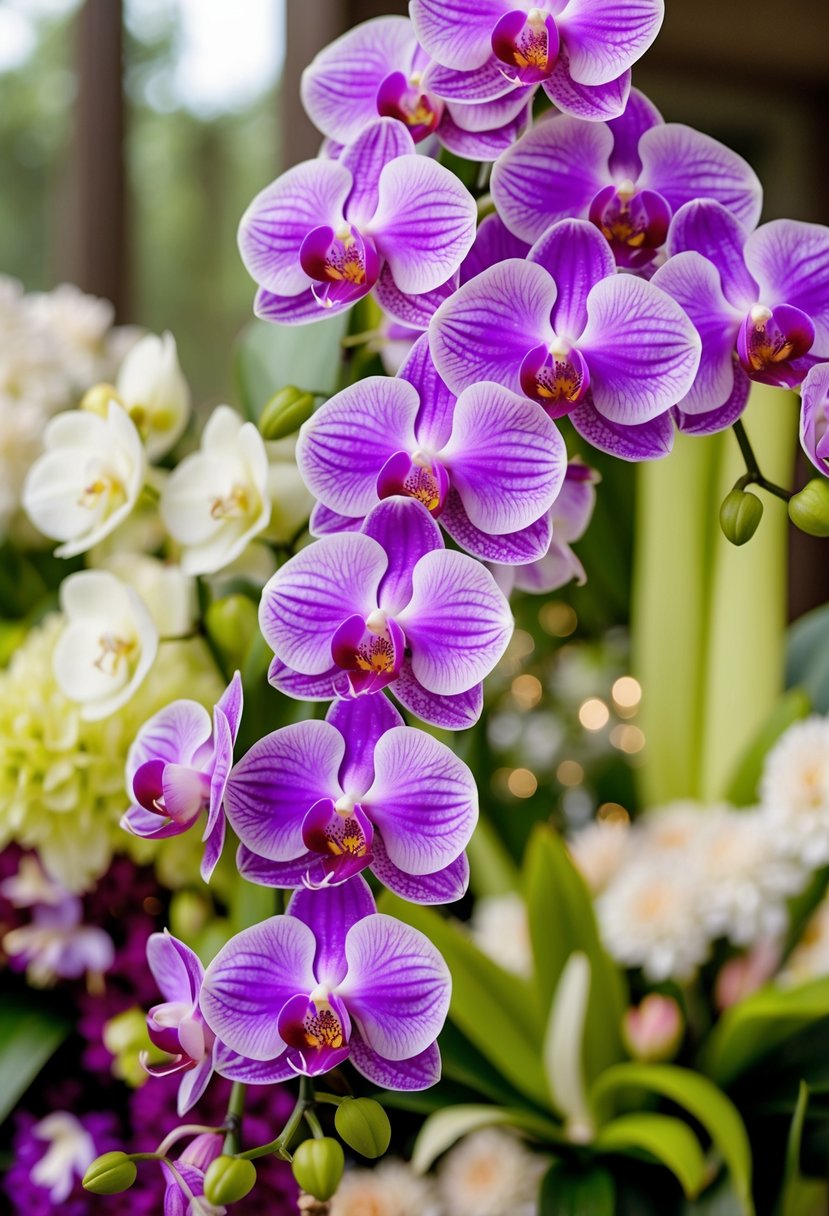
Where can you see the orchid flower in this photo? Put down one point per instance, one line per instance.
(376, 69)
(184, 1189)
(318, 802)
(627, 176)
(317, 239)
(814, 417)
(579, 51)
(387, 606)
(611, 350)
(177, 769)
(153, 391)
(55, 944)
(487, 464)
(759, 300)
(331, 980)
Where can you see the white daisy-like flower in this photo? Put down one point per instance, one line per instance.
(500, 929)
(599, 850)
(672, 829)
(491, 1173)
(391, 1189)
(795, 791)
(153, 391)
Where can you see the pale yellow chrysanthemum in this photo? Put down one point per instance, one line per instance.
(491, 1173)
(62, 779)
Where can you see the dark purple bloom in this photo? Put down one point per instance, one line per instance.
(49, 1159)
(317, 802)
(387, 606)
(579, 51)
(186, 1182)
(329, 981)
(627, 176)
(177, 768)
(318, 237)
(814, 417)
(376, 69)
(611, 350)
(759, 300)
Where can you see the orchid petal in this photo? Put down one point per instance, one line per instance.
(175, 968)
(555, 569)
(451, 34)
(813, 416)
(456, 712)
(148, 825)
(443, 887)
(604, 39)
(437, 403)
(173, 736)
(486, 144)
(295, 309)
(307, 869)
(407, 533)
(591, 102)
(711, 421)
(707, 228)
(643, 441)
(578, 257)
(306, 688)
(683, 165)
(413, 311)
(236, 1067)
(479, 86)
(790, 261)
(513, 548)
(330, 913)
(231, 702)
(214, 842)
(639, 116)
(193, 1084)
(222, 761)
(494, 243)
(324, 521)
(418, 1072)
(375, 147)
(361, 721)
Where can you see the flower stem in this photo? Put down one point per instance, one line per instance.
(279, 1146)
(233, 1120)
(314, 1124)
(752, 475)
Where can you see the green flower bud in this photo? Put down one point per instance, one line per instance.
(285, 413)
(809, 508)
(364, 1126)
(740, 515)
(110, 1174)
(318, 1166)
(231, 622)
(228, 1179)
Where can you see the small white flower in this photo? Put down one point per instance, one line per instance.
(154, 393)
(291, 500)
(107, 645)
(167, 591)
(795, 791)
(491, 1173)
(88, 479)
(500, 929)
(390, 1189)
(599, 850)
(70, 1152)
(810, 958)
(217, 499)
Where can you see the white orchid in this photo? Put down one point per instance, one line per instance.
(153, 391)
(291, 500)
(108, 643)
(217, 499)
(88, 478)
(169, 593)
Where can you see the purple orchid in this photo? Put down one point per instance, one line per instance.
(331, 980)
(611, 350)
(318, 238)
(186, 1184)
(57, 945)
(759, 300)
(387, 606)
(814, 417)
(177, 768)
(317, 802)
(376, 69)
(579, 51)
(487, 464)
(627, 176)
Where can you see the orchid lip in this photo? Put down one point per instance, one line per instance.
(557, 377)
(634, 222)
(772, 342)
(343, 261)
(419, 476)
(402, 98)
(528, 43)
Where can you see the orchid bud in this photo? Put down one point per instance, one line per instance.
(110, 1174)
(231, 622)
(364, 1126)
(653, 1031)
(809, 508)
(228, 1179)
(285, 413)
(318, 1166)
(96, 400)
(740, 515)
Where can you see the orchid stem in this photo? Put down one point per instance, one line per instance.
(279, 1146)
(753, 476)
(314, 1124)
(186, 1129)
(332, 1099)
(233, 1120)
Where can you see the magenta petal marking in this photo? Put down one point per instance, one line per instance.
(318, 1032)
(441, 887)
(345, 264)
(528, 43)
(398, 98)
(454, 712)
(559, 381)
(423, 479)
(643, 441)
(148, 788)
(512, 548)
(372, 655)
(593, 102)
(342, 838)
(770, 341)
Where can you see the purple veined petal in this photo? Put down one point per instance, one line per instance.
(377, 144)
(149, 825)
(644, 441)
(418, 1072)
(558, 567)
(330, 913)
(437, 403)
(480, 86)
(814, 415)
(592, 102)
(513, 548)
(790, 261)
(193, 1084)
(148, 786)
(280, 217)
(323, 521)
(505, 457)
(342, 840)
(456, 712)
(175, 968)
(185, 791)
(443, 887)
(424, 225)
(401, 96)
(233, 1067)
(318, 1032)
(711, 421)
(773, 345)
(484, 331)
(707, 228)
(293, 310)
(369, 652)
(277, 781)
(294, 684)
(551, 174)
(168, 1069)
(694, 283)
(396, 988)
(173, 735)
(308, 598)
(407, 533)
(424, 801)
(605, 38)
(452, 34)
(413, 311)
(641, 348)
(485, 117)
(639, 116)
(494, 243)
(223, 739)
(361, 721)
(231, 702)
(250, 980)
(344, 445)
(306, 870)
(684, 165)
(457, 623)
(481, 145)
(578, 257)
(339, 86)
(573, 509)
(214, 842)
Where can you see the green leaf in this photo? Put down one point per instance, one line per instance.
(742, 789)
(30, 1034)
(667, 1139)
(697, 1095)
(493, 1008)
(269, 357)
(571, 1190)
(464, 1063)
(791, 1172)
(446, 1127)
(752, 1029)
(807, 658)
(562, 920)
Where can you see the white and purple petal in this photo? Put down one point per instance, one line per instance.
(707, 228)
(443, 887)
(454, 712)
(643, 441)
(418, 1072)
(790, 261)
(592, 102)
(578, 257)
(814, 417)
(639, 116)
(437, 403)
(407, 534)
(173, 736)
(381, 142)
(512, 548)
(176, 969)
(330, 913)
(606, 37)
(684, 165)
(361, 721)
(452, 34)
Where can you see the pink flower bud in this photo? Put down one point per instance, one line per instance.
(653, 1030)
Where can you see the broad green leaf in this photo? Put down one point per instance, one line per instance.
(30, 1034)
(752, 1029)
(791, 1173)
(562, 920)
(464, 1063)
(269, 357)
(493, 1008)
(446, 1127)
(742, 789)
(807, 657)
(571, 1190)
(493, 872)
(695, 1094)
(667, 1139)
